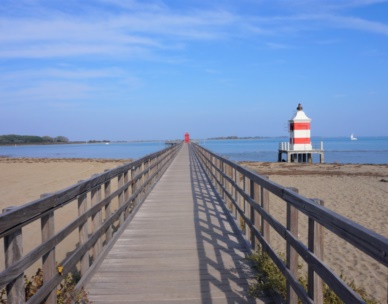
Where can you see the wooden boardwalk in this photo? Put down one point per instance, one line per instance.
(179, 248)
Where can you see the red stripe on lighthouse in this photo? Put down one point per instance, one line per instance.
(303, 140)
(301, 126)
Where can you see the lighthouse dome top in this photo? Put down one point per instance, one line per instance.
(300, 115)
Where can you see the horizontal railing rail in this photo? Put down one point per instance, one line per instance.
(286, 146)
(247, 196)
(123, 188)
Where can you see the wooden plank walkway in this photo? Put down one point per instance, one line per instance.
(179, 248)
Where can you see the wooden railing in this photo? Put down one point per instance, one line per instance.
(247, 194)
(106, 203)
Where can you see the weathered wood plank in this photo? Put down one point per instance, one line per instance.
(180, 246)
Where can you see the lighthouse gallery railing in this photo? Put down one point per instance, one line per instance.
(247, 196)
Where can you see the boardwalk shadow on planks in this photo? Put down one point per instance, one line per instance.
(179, 248)
(214, 228)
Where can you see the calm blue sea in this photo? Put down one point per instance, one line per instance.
(365, 150)
(133, 150)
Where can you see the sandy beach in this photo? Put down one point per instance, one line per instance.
(359, 192)
(23, 180)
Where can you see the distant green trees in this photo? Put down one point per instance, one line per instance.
(31, 139)
(236, 137)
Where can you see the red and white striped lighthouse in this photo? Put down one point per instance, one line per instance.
(300, 131)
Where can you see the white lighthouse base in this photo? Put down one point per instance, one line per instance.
(299, 156)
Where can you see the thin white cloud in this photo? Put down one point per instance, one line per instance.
(130, 33)
(45, 94)
(278, 46)
(47, 50)
(212, 71)
(136, 5)
(68, 73)
(70, 85)
(359, 24)
(135, 29)
(320, 6)
(328, 41)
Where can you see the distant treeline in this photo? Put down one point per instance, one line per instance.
(31, 139)
(237, 137)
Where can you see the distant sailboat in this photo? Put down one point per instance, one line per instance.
(352, 137)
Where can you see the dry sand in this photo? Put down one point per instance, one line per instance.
(23, 180)
(358, 192)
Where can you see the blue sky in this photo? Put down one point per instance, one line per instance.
(132, 70)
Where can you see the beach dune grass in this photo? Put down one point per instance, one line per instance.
(270, 279)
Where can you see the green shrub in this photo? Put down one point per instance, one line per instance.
(66, 293)
(270, 278)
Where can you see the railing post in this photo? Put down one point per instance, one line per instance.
(212, 169)
(223, 180)
(13, 252)
(120, 183)
(142, 181)
(134, 182)
(292, 255)
(157, 166)
(97, 220)
(217, 174)
(264, 200)
(235, 195)
(48, 260)
(247, 210)
(108, 210)
(241, 200)
(252, 212)
(256, 216)
(83, 231)
(146, 167)
(129, 193)
(126, 194)
(152, 171)
(229, 187)
(316, 245)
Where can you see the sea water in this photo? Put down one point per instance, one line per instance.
(364, 150)
(119, 150)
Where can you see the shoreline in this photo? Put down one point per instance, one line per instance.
(263, 164)
(283, 168)
(9, 159)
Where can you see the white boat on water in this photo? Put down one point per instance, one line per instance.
(352, 137)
